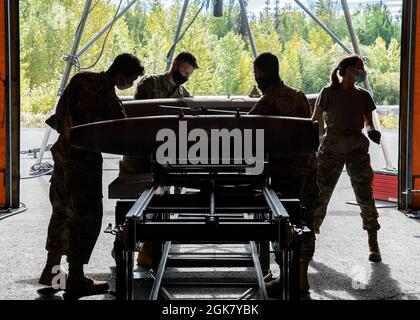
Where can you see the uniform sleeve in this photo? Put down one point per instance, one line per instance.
(114, 109)
(262, 107)
(144, 89)
(78, 92)
(322, 100)
(93, 100)
(370, 104)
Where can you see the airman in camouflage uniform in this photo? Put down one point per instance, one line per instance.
(347, 109)
(168, 85)
(76, 183)
(292, 177)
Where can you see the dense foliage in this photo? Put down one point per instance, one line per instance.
(306, 52)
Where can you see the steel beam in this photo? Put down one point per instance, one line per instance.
(159, 274)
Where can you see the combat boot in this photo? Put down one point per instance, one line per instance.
(77, 288)
(47, 275)
(50, 270)
(374, 252)
(145, 257)
(274, 288)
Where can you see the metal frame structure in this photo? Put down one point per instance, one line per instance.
(249, 213)
(12, 103)
(408, 51)
(356, 49)
(74, 54)
(73, 57)
(181, 22)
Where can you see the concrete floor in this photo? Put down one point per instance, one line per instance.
(340, 269)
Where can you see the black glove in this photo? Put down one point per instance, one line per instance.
(375, 136)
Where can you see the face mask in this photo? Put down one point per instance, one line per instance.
(124, 87)
(266, 82)
(361, 77)
(179, 79)
(125, 84)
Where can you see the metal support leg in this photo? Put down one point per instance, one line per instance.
(260, 276)
(159, 274)
(285, 275)
(105, 29)
(66, 75)
(121, 280)
(177, 33)
(323, 26)
(248, 28)
(264, 254)
(156, 254)
(74, 55)
(164, 292)
(295, 268)
(129, 257)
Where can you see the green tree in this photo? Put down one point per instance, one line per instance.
(377, 23)
(232, 58)
(292, 21)
(290, 62)
(383, 68)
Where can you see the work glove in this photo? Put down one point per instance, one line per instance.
(375, 136)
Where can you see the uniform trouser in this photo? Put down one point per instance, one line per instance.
(352, 150)
(58, 235)
(305, 188)
(84, 204)
(76, 220)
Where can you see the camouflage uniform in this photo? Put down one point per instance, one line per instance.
(293, 177)
(150, 87)
(159, 87)
(344, 143)
(76, 183)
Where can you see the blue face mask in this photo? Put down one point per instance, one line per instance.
(361, 77)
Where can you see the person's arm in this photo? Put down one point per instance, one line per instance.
(369, 121)
(373, 134)
(316, 116)
(321, 105)
(144, 89)
(114, 110)
(262, 107)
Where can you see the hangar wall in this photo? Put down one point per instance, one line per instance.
(9, 104)
(409, 149)
(3, 129)
(416, 115)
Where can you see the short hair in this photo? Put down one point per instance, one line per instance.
(187, 57)
(268, 63)
(127, 64)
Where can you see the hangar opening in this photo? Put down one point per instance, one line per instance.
(307, 36)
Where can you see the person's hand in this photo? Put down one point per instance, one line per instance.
(375, 136)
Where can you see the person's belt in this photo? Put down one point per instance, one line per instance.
(344, 132)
